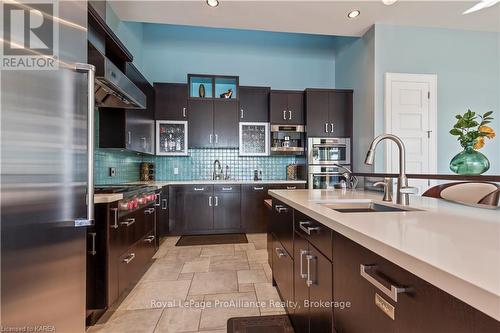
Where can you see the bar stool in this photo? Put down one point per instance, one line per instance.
(471, 193)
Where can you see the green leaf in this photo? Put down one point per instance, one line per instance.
(455, 131)
(488, 114)
(458, 116)
(484, 122)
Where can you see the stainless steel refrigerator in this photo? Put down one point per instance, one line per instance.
(46, 183)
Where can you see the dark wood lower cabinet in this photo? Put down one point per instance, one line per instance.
(342, 295)
(283, 273)
(227, 208)
(422, 308)
(300, 317)
(313, 289)
(253, 211)
(125, 243)
(198, 211)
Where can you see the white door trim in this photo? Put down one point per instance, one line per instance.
(426, 78)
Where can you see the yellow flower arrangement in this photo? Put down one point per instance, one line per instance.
(470, 132)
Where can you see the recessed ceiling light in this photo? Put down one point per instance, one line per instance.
(213, 3)
(389, 2)
(353, 14)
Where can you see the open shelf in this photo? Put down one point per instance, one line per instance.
(214, 86)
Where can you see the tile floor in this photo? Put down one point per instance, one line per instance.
(196, 289)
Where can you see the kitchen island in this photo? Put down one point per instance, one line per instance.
(451, 247)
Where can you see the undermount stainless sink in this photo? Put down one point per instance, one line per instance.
(364, 207)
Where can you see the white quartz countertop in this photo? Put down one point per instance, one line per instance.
(111, 197)
(454, 247)
(160, 184)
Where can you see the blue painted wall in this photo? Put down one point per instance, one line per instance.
(279, 60)
(467, 66)
(355, 61)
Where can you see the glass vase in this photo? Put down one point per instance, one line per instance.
(469, 162)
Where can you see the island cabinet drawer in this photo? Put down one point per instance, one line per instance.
(391, 299)
(281, 225)
(283, 272)
(316, 233)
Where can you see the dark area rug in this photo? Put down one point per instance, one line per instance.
(261, 324)
(211, 239)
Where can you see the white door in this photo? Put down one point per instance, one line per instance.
(410, 113)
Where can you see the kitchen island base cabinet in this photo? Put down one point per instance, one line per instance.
(312, 289)
(283, 274)
(421, 308)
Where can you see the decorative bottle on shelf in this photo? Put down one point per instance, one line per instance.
(201, 91)
(178, 144)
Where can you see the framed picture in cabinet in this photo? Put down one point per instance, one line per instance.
(171, 138)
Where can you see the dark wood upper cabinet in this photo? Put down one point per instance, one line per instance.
(340, 113)
(171, 101)
(317, 113)
(201, 119)
(225, 125)
(213, 123)
(287, 107)
(254, 104)
(329, 113)
(130, 129)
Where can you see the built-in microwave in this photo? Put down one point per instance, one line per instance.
(326, 151)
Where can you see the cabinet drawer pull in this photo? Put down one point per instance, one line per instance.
(306, 229)
(331, 127)
(284, 114)
(290, 112)
(216, 201)
(326, 127)
(280, 252)
(365, 270)
(149, 211)
(157, 200)
(216, 138)
(199, 189)
(258, 188)
(115, 218)
(242, 113)
(129, 258)
(291, 187)
(280, 209)
(128, 222)
(227, 188)
(309, 280)
(184, 112)
(210, 201)
(92, 250)
(210, 138)
(149, 239)
(302, 274)
(163, 203)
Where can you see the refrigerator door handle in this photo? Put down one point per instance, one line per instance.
(90, 70)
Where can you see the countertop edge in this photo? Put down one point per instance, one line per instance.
(477, 297)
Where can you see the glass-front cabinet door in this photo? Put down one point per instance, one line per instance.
(172, 138)
(254, 139)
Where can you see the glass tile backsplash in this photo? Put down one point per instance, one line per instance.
(197, 166)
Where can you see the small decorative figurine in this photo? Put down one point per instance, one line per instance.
(227, 94)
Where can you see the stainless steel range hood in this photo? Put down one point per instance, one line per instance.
(113, 89)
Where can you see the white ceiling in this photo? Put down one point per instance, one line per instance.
(317, 17)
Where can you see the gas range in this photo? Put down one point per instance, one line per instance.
(135, 196)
